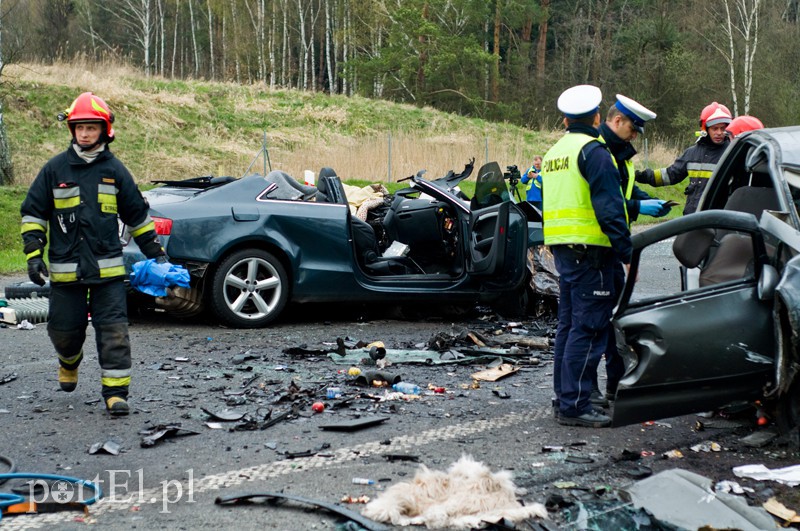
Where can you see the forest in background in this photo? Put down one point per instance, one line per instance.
(503, 60)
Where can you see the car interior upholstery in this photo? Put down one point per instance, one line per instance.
(289, 187)
(725, 255)
(331, 190)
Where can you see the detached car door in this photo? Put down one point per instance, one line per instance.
(699, 349)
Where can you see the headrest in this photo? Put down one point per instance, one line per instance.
(690, 248)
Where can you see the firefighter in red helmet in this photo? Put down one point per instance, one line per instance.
(697, 162)
(76, 200)
(742, 124)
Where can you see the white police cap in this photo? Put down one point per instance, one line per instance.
(634, 110)
(580, 101)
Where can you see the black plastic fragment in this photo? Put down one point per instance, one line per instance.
(353, 425)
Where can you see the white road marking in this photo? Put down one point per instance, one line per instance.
(279, 468)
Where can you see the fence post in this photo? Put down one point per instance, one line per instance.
(389, 171)
(646, 165)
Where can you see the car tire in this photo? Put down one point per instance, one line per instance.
(249, 289)
(26, 290)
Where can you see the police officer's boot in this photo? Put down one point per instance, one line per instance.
(598, 399)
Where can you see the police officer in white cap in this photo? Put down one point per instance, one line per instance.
(624, 121)
(586, 227)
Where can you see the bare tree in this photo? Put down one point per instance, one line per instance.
(162, 36)
(236, 61)
(6, 166)
(285, 42)
(137, 17)
(210, 40)
(329, 48)
(194, 40)
(741, 30)
(496, 54)
(175, 36)
(273, 25)
(303, 74)
(541, 43)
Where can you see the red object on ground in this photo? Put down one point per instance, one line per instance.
(318, 407)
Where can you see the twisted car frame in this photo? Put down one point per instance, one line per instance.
(256, 243)
(725, 330)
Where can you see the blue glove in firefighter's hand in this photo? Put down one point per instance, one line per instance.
(37, 270)
(653, 207)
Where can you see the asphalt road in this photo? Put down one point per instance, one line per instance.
(182, 369)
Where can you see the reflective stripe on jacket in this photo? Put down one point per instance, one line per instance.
(697, 163)
(79, 203)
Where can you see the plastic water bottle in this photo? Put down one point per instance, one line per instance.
(334, 392)
(406, 388)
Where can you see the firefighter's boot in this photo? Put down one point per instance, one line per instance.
(67, 343)
(117, 406)
(114, 350)
(68, 379)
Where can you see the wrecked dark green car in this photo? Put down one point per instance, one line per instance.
(252, 245)
(716, 321)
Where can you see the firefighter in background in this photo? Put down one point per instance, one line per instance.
(533, 181)
(586, 227)
(698, 161)
(624, 121)
(78, 195)
(742, 124)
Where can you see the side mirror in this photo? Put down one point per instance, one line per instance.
(767, 283)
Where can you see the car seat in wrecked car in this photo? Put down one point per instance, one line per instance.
(289, 187)
(331, 190)
(724, 255)
(326, 193)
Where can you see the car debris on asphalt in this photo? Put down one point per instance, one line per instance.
(155, 434)
(108, 447)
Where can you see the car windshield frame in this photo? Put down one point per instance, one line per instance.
(438, 192)
(791, 174)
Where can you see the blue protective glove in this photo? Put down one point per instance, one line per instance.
(653, 207)
(153, 278)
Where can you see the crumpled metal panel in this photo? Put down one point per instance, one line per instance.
(788, 305)
(544, 276)
(686, 500)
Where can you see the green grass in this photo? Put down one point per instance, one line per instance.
(176, 129)
(12, 260)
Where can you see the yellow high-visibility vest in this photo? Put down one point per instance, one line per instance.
(569, 217)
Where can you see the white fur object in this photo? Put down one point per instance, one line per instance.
(464, 497)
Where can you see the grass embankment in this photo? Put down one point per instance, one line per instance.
(175, 129)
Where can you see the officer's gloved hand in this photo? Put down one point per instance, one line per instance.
(161, 259)
(37, 270)
(654, 207)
